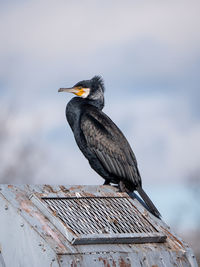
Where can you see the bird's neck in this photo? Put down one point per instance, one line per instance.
(78, 105)
(98, 103)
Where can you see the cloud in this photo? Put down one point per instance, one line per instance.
(151, 47)
(48, 25)
(48, 35)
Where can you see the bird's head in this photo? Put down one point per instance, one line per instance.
(92, 89)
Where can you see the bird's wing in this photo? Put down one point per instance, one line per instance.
(105, 139)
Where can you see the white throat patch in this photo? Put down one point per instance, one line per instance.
(86, 92)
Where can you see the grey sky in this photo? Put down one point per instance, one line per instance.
(148, 53)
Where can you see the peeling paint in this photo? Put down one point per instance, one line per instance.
(105, 261)
(72, 188)
(64, 189)
(26, 206)
(170, 235)
(49, 189)
(47, 228)
(123, 263)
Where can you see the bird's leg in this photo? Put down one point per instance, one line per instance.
(122, 187)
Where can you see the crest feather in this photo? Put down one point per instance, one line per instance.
(99, 79)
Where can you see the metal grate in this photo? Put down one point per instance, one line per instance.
(99, 215)
(87, 220)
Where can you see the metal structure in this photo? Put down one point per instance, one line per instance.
(43, 225)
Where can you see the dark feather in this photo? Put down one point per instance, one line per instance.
(99, 80)
(110, 146)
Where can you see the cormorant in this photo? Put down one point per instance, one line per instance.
(101, 141)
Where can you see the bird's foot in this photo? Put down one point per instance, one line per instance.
(122, 187)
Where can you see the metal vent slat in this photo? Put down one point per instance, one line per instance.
(85, 220)
(100, 215)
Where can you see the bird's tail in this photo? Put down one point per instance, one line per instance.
(148, 202)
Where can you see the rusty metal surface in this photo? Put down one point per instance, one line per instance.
(41, 239)
(20, 244)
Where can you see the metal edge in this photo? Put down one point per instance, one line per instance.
(68, 233)
(79, 195)
(119, 238)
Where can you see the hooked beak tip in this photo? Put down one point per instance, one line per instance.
(68, 90)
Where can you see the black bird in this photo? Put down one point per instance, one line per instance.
(101, 141)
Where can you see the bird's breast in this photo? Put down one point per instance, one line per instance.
(73, 114)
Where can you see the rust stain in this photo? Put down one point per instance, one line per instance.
(123, 263)
(26, 205)
(173, 237)
(88, 194)
(54, 213)
(49, 189)
(72, 188)
(154, 266)
(22, 199)
(113, 264)
(73, 264)
(64, 189)
(10, 186)
(105, 262)
(77, 261)
(47, 229)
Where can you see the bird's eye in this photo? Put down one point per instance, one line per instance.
(79, 87)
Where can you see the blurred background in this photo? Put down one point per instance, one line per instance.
(148, 53)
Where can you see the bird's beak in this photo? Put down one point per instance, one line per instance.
(79, 91)
(69, 90)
